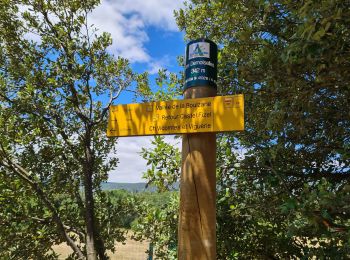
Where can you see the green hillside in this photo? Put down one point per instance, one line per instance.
(132, 187)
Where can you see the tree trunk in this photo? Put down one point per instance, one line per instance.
(89, 218)
(94, 244)
(89, 200)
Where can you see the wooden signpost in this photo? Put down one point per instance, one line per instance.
(197, 216)
(198, 117)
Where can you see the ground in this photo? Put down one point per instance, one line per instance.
(132, 250)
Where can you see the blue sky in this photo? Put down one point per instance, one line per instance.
(163, 47)
(145, 32)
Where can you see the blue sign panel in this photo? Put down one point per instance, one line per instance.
(201, 63)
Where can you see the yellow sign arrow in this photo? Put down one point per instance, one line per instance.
(211, 114)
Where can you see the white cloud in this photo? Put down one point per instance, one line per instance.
(155, 65)
(127, 21)
(154, 12)
(128, 33)
(131, 165)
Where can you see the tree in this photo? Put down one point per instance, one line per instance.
(164, 160)
(54, 97)
(283, 187)
(158, 224)
(291, 60)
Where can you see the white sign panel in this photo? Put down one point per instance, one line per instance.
(199, 50)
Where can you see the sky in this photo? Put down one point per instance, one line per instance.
(145, 32)
(131, 164)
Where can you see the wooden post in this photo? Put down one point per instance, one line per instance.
(197, 217)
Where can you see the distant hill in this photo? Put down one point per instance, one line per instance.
(133, 187)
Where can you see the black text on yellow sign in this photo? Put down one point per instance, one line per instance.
(211, 114)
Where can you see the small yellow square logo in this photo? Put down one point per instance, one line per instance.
(228, 102)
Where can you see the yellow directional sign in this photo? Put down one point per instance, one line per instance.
(211, 114)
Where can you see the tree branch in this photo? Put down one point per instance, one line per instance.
(25, 176)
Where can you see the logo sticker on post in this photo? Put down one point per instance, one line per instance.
(201, 63)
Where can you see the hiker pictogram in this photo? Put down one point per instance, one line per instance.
(198, 50)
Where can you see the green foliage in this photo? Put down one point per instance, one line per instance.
(283, 182)
(150, 215)
(158, 223)
(158, 217)
(286, 186)
(18, 223)
(169, 86)
(164, 160)
(125, 208)
(54, 98)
